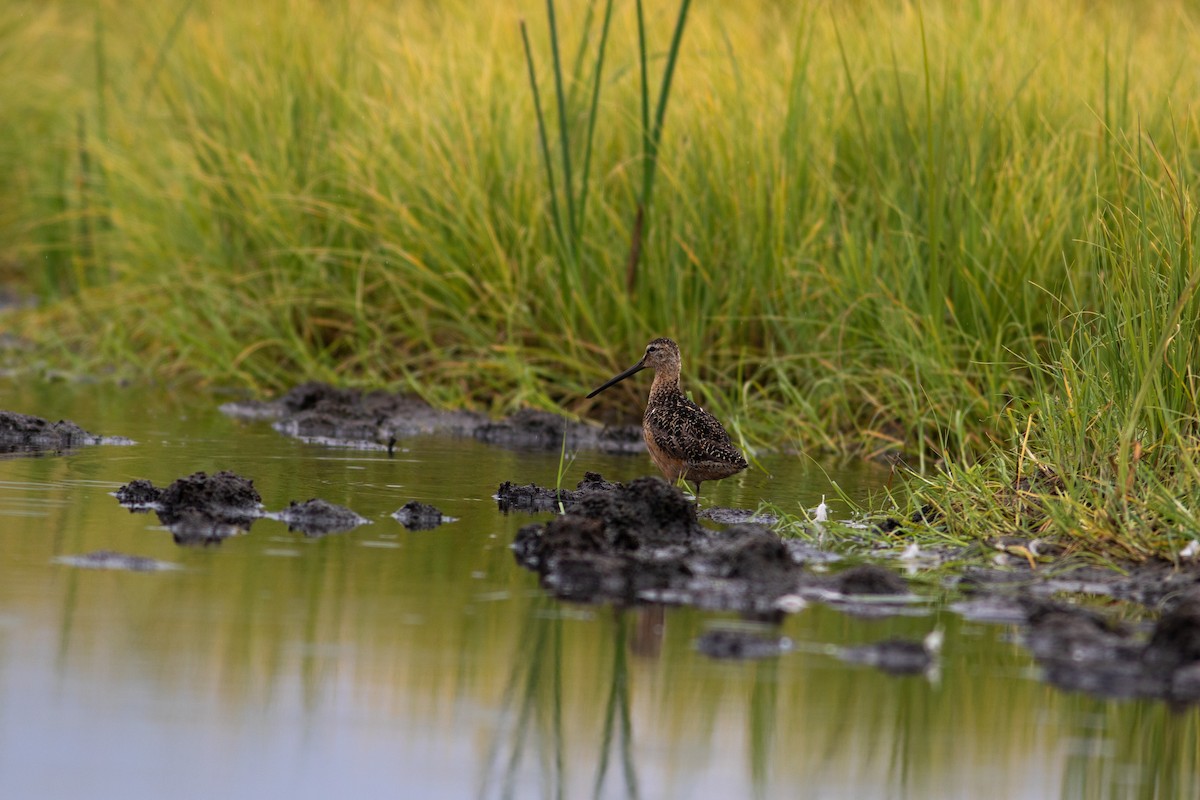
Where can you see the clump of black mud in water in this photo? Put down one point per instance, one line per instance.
(24, 433)
(224, 497)
(377, 420)
(641, 543)
(318, 517)
(200, 508)
(205, 509)
(741, 644)
(530, 428)
(897, 656)
(420, 516)
(139, 494)
(532, 498)
(1081, 650)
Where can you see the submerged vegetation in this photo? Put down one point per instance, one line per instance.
(958, 233)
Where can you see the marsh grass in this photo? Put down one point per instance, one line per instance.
(959, 234)
(564, 464)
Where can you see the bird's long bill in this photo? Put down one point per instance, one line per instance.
(638, 367)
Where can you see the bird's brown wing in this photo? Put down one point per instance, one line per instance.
(686, 432)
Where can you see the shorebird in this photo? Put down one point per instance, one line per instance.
(685, 441)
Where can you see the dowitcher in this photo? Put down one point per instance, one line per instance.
(685, 441)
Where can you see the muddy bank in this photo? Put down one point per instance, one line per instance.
(378, 420)
(1001, 594)
(1081, 650)
(24, 433)
(206, 509)
(641, 543)
(1085, 649)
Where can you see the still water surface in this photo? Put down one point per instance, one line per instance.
(383, 662)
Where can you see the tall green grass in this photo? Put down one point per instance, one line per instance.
(1104, 445)
(958, 233)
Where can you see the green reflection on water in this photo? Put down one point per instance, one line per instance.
(429, 663)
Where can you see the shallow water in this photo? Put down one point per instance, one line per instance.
(420, 664)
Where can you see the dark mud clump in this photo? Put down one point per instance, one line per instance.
(998, 594)
(926, 515)
(351, 417)
(108, 559)
(868, 579)
(317, 517)
(531, 497)
(419, 516)
(35, 432)
(866, 590)
(138, 494)
(377, 419)
(223, 497)
(897, 656)
(733, 643)
(205, 509)
(1060, 632)
(23, 433)
(530, 428)
(1176, 639)
(200, 508)
(641, 543)
(1080, 650)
